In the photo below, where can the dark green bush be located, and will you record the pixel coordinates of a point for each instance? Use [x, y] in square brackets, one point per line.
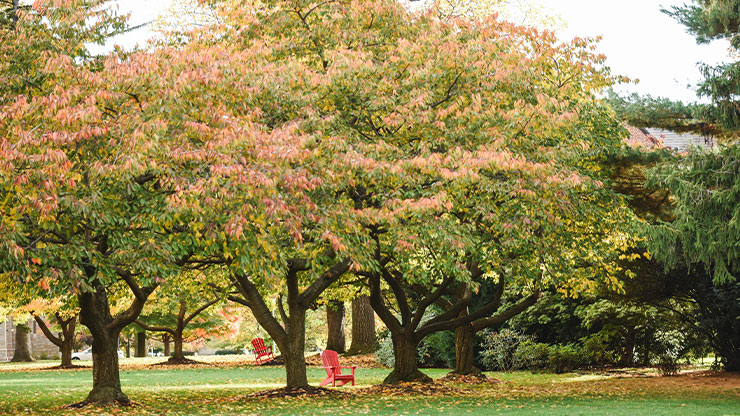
[565, 358]
[532, 355]
[437, 350]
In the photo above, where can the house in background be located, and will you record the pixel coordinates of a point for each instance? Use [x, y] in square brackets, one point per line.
[650, 138]
[681, 141]
[41, 347]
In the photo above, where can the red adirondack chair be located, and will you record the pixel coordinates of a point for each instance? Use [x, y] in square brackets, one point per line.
[334, 370]
[261, 351]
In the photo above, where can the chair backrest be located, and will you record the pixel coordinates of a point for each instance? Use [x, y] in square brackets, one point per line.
[258, 344]
[331, 359]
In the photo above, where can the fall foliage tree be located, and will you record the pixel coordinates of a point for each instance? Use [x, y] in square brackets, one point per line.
[182, 304]
[84, 204]
[293, 142]
[409, 115]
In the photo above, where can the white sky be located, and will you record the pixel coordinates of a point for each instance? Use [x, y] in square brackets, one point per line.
[639, 41]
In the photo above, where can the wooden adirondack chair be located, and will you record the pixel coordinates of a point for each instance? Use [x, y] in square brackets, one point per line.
[261, 351]
[334, 370]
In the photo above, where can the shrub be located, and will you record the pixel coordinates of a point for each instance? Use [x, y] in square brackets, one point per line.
[669, 350]
[565, 358]
[598, 350]
[499, 349]
[437, 350]
[384, 354]
[532, 355]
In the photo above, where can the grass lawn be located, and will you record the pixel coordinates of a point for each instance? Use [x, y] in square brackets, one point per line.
[220, 390]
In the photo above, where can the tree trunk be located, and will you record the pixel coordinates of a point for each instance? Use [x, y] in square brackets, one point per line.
[141, 344]
[66, 352]
[106, 380]
[177, 355]
[732, 362]
[335, 324]
[95, 315]
[68, 334]
[22, 352]
[295, 347]
[464, 340]
[628, 356]
[14, 13]
[166, 341]
[363, 327]
[65, 342]
[405, 368]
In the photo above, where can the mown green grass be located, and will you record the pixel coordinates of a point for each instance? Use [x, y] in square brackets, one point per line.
[221, 391]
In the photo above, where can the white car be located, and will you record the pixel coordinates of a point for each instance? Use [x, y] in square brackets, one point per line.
[87, 354]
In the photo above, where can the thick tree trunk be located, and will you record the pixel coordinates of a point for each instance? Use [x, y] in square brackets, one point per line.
[335, 324]
[177, 355]
[95, 315]
[106, 380]
[68, 333]
[166, 341]
[141, 344]
[22, 352]
[66, 352]
[732, 362]
[363, 327]
[294, 350]
[464, 340]
[405, 368]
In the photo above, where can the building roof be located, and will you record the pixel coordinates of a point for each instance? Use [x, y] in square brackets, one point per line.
[641, 138]
[680, 141]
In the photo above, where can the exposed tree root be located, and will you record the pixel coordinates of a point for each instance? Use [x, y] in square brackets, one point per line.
[86, 403]
[416, 377]
[66, 367]
[178, 361]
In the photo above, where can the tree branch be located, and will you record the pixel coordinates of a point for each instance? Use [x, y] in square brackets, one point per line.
[430, 299]
[378, 304]
[509, 313]
[201, 309]
[45, 329]
[260, 310]
[154, 328]
[331, 275]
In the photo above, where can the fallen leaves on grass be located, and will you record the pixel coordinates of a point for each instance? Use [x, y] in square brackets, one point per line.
[412, 389]
[467, 379]
[304, 392]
